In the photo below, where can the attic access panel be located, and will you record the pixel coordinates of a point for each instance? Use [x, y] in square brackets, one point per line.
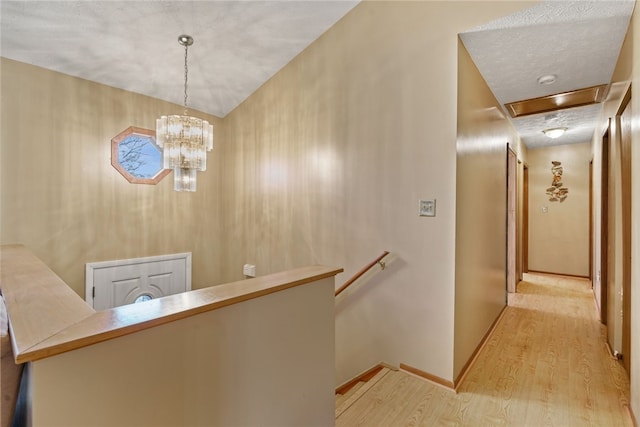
[558, 101]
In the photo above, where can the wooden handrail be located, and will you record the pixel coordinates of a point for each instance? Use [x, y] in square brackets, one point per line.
[361, 272]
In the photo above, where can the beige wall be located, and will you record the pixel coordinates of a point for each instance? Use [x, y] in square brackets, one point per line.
[481, 174]
[621, 81]
[62, 198]
[327, 161]
[614, 230]
[242, 365]
[559, 238]
[635, 224]
[627, 72]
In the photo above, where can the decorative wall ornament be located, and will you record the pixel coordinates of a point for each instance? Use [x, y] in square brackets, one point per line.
[557, 193]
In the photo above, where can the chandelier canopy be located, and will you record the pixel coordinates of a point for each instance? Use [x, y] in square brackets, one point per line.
[184, 140]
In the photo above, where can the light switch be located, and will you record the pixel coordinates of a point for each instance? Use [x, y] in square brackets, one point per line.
[545, 209]
[427, 207]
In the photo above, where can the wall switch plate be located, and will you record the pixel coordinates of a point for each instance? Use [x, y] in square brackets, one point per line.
[249, 270]
[427, 207]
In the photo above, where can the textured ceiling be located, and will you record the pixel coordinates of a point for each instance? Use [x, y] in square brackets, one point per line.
[579, 41]
[240, 44]
[133, 45]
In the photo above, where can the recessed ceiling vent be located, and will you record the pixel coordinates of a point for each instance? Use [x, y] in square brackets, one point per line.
[559, 101]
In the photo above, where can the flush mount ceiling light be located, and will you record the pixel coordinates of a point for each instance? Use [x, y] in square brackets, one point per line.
[184, 140]
[547, 79]
[554, 133]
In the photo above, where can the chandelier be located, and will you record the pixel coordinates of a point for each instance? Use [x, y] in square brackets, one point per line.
[184, 140]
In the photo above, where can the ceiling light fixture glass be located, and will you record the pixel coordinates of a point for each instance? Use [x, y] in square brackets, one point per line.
[554, 133]
[184, 140]
[547, 79]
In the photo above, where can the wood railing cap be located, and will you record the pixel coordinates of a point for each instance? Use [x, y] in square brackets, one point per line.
[82, 326]
[39, 304]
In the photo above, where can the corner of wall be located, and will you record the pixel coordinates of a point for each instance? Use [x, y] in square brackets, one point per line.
[480, 286]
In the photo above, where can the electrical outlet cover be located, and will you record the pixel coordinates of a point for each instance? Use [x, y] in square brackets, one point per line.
[249, 270]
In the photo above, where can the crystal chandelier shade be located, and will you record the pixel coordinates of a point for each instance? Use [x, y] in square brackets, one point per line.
[184, 140]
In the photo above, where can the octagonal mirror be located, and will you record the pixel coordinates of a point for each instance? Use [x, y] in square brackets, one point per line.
[136, 156]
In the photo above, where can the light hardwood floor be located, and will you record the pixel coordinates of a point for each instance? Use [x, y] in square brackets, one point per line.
[546, 364]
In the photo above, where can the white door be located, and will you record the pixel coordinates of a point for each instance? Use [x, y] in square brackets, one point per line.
[116, 283]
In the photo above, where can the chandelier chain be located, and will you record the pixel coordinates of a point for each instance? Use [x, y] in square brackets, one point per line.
[186, 71]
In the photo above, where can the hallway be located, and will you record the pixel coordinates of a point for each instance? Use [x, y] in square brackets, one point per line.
[545, 364]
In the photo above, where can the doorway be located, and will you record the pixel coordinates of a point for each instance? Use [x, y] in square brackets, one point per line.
[525, 219]
[591, 208]
[604, 226]
[615, 232]
[512, 197]
[624, 122]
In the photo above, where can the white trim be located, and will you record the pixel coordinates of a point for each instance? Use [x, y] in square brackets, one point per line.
[92, 266]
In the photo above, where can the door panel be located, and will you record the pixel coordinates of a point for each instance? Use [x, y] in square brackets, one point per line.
[116, 283]
[625, 156]
[525, 219]
[591, 207]
[156, 286]
[122, 285]
[512, 183]
[604, 232]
